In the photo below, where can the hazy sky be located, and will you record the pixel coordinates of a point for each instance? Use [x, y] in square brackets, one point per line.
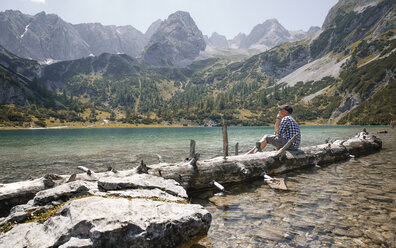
[227, 17]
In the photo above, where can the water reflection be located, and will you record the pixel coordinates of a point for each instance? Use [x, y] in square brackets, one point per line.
[349, 204]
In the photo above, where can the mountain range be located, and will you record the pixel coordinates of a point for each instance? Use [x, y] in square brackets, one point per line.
[341, 74]
[48, 38]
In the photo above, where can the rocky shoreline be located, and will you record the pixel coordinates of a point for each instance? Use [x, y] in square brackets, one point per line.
[115, 210]
[146, 206]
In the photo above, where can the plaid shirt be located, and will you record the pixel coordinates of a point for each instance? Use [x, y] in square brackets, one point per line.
[288, 128]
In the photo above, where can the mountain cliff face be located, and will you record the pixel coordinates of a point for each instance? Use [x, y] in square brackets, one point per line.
[347, 6]
[46, 37]
[19, 83]
[349, 26]
[235, 43]
[28, 68]
[177, 42]
[152, 29]
[40, 37]
[111, 39]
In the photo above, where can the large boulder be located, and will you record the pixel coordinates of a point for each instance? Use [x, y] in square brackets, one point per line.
[117, 210]
[113, 222]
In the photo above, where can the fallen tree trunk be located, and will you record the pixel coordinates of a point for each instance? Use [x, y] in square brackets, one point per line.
[198, 175]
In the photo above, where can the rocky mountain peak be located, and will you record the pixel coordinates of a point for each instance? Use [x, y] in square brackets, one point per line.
[218, 40]
[268, 34]
[182, 17]
[177, 42]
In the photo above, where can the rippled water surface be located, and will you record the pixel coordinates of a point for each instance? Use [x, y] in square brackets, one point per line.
[348, 204]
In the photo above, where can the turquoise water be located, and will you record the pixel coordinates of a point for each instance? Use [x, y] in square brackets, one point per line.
[346, 204]
[27, 154]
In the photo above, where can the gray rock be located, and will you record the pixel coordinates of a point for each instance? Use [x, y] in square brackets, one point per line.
[113, 223]
[177, 42]
[13, 194]
[237, 40]
[152, 29]
[111, 39]
[77, 243]
[143, 181]
[64, 192]
[146, 193]
[12, 94]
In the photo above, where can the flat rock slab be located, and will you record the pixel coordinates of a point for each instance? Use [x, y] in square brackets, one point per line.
[143, 181]
[102, 222]
[146, 193]
[64, 192]
[13, 194]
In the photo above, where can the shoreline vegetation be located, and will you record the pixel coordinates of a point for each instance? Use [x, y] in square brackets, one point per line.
[129, 125]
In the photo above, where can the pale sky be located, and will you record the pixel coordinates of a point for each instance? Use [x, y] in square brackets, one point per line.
[226, 17]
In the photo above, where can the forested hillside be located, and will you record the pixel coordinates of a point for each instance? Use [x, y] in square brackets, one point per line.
[361, 44]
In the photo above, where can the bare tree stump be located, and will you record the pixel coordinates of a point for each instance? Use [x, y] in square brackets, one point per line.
[225, 140]
[192, 149]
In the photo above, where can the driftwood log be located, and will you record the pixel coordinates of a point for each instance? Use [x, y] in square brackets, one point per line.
[196, 175]
[245, 167]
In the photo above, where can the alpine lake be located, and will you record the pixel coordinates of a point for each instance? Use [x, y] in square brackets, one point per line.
[346, 204]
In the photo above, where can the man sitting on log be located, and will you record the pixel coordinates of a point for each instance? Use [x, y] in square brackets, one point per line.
[285, 128]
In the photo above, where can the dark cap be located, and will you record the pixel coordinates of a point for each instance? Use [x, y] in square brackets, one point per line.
[286, 107]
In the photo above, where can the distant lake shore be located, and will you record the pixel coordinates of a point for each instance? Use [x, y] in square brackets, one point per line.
[128, 125]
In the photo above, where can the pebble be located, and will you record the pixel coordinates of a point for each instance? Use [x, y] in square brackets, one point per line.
[379, 198]
[389, 236]
[375, 236]
[392, 215]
